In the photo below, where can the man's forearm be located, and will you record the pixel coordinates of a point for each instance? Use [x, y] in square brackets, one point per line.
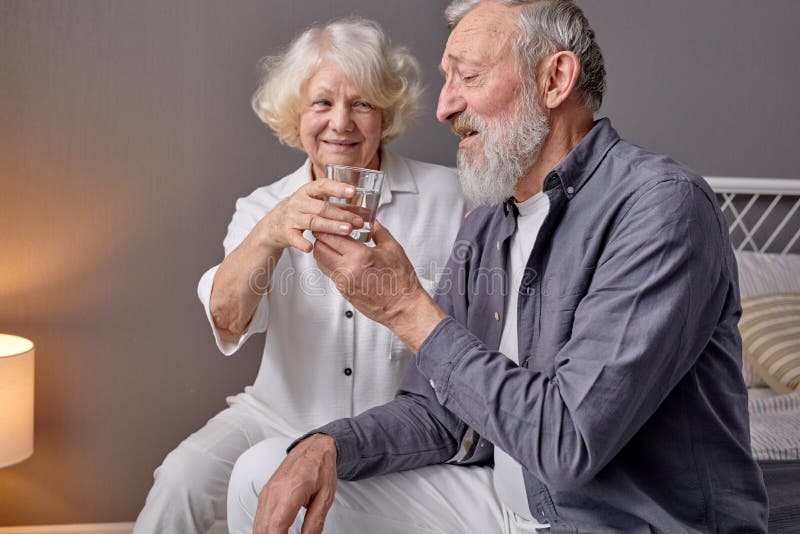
[416, 317]
[402, 434]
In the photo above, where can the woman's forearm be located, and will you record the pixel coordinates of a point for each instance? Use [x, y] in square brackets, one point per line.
[240, 282]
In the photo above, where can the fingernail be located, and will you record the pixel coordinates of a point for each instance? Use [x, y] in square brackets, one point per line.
[350, 190]
[344, 228]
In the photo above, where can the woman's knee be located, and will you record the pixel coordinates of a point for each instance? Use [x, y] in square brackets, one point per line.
[188, 471]
[257, 464]
[252, 470]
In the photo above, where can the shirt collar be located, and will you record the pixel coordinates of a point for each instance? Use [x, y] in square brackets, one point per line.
[297, 179]
[583, 160]
[398, 177]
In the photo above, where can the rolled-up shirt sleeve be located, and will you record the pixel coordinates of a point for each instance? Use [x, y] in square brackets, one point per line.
[249, 210]
[652, 304]
[258, 323]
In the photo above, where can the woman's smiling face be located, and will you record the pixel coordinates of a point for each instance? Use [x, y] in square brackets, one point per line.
[338, 125]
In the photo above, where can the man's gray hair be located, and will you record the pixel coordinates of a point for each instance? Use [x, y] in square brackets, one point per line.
[548, 26]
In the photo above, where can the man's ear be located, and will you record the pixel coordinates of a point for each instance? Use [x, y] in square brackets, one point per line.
[559, 74]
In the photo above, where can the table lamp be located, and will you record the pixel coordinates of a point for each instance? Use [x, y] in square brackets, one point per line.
[16, 399]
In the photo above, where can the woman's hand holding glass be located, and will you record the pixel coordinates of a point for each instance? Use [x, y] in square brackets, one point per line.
[305, 210]
[233, 297]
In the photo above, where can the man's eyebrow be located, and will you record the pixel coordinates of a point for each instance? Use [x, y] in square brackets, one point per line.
[452, 59]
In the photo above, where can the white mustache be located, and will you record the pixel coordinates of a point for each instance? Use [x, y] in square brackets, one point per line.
[467, 121]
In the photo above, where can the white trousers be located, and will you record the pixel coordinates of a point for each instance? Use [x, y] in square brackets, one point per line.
[190, 487]
[434, 499]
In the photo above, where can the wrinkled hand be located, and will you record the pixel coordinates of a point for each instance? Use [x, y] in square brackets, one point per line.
[373, 279]
[380, 282]
[306, 478]
[304, 210]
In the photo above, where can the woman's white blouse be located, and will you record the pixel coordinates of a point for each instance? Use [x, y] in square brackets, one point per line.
[322, 359]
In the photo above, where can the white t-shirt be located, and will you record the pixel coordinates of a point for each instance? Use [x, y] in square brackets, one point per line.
[322, 359]
[507, 472]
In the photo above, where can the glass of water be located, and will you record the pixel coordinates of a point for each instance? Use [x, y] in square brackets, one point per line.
[364, 203]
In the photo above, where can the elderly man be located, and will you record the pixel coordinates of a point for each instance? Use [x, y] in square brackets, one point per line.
[601, 376]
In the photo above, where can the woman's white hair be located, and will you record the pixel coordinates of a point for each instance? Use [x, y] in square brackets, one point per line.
[388, 78]
[548, 26]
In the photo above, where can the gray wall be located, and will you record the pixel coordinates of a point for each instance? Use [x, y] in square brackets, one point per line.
[126, 136]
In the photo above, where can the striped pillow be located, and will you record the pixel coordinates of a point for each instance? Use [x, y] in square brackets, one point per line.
[751, 378]
[765, 273]
[770, 328]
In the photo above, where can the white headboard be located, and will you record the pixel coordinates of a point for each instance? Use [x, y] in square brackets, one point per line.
[762, 213]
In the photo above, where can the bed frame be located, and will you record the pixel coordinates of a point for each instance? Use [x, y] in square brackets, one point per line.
[763, 215]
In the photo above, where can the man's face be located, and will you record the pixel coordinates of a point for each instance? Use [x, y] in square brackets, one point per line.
[488, 105]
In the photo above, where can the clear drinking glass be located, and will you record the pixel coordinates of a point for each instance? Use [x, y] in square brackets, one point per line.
[364, 203]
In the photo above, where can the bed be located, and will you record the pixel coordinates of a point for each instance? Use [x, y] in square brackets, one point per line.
[764, 221]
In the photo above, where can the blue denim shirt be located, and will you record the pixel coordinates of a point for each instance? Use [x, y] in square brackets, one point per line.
[628, 410]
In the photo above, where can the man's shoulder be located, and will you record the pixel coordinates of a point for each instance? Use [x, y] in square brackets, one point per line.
[638, 171]
[641, 166]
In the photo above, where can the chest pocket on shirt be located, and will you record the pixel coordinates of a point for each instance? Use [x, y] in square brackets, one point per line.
[570, 283]
[570, 272]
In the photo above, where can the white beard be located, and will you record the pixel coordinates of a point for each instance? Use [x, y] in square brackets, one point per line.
[510, 148]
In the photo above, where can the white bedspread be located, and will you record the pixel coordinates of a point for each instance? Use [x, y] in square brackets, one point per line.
[774, 424]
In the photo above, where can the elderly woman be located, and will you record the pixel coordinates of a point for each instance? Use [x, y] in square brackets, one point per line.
[340, 93]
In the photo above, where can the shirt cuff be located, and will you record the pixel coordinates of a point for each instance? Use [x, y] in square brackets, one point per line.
[347, 452]
[257, 325]
[441, 351]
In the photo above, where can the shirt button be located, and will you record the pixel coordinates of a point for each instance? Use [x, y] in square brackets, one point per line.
[348, 371]
[432, 383]
[498, 245]
[348, 314]
[496, 316]
[570, 190]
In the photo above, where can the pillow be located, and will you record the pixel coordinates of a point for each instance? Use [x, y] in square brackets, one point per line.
[768, 273]
[765, 273]
[751, 378]
[770, 328]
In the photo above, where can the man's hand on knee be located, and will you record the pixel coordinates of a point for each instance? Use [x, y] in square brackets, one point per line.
[306, 478]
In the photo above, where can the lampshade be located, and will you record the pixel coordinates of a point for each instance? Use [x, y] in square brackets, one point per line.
[16, 399]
